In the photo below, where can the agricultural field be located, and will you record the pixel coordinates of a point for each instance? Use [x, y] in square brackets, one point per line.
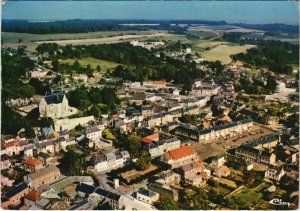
[31, 41]
[104, 64]
[223, 51]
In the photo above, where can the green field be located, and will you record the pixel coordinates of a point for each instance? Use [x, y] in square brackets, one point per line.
[104, 64]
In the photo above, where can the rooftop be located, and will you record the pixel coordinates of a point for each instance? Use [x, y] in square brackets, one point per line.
[16, 190]
[54, 98]
[33, 162]
[180, 153]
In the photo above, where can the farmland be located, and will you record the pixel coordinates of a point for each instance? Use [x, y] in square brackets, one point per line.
[223, 51]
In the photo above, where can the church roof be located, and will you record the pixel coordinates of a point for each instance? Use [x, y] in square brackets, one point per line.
[54, 98]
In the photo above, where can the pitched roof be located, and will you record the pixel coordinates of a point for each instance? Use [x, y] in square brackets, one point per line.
[54, 98]
[16, 190]
[33, 196]
[43, 172]
[149, 139]
[200, 165]
[33, 162]
[180, 153]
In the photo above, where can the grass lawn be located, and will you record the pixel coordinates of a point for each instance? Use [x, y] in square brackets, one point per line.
[104, 64]
[129, 175]
[250, 196]
[227, 182]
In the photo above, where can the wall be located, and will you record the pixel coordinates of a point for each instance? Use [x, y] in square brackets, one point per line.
[68, 124]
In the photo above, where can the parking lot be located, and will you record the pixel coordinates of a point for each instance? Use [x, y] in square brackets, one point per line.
[224, 143]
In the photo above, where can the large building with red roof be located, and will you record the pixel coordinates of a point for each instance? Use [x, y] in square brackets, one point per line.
[181, 156]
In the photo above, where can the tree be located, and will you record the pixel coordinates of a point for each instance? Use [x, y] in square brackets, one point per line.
[271, 83]
[144, 160]
[107, 134]
[55, 65]
[133, 143]
[167, 204]
[73, 163]
[98, 68]
[95, 111]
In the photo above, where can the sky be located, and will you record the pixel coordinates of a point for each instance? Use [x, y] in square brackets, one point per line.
[231, 11]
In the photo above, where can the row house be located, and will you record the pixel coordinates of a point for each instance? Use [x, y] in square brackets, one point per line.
[158, 148]
[111, 161]
[14, 196]
[180, 156]
[208, 135]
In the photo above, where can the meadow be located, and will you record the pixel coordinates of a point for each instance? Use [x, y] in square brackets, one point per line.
[104, 65]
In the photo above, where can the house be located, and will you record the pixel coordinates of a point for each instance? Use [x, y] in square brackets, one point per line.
[180, 156]
[218, 161]
[14, 196]
[197, 180]
[169, 177]
[42, 176]
[222, 171]
[93, 134]
[5, 161]
[55, 106]
[110, 161]
[147, 196]
[32, 197]
[158, 148]
[80, 77]
[187, 170]
[32, 164]
[274, 173]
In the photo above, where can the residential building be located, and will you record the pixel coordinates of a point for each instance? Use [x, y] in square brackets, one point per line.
[180, 156]
[211, 134]
[32, 164]
[169, 177]
[222, 171]
[14, 196]
[147, 196]
[5, 162]
[274, 173]
[42, 176]
[158, 148]
[110, 161]
[31, 198]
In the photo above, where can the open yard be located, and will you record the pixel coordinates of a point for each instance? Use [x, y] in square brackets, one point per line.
[223, 51]
[129, 175]
[104, 65]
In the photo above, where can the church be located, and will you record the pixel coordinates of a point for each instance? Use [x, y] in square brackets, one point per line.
[54, 106]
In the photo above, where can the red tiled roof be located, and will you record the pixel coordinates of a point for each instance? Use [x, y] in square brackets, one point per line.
[180, 153]
[149, 139]
[11, 144]
[33, 162]
[204, 176]
[33, 196]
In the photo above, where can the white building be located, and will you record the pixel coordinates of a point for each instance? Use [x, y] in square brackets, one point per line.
[110, 161]
[93, 134]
